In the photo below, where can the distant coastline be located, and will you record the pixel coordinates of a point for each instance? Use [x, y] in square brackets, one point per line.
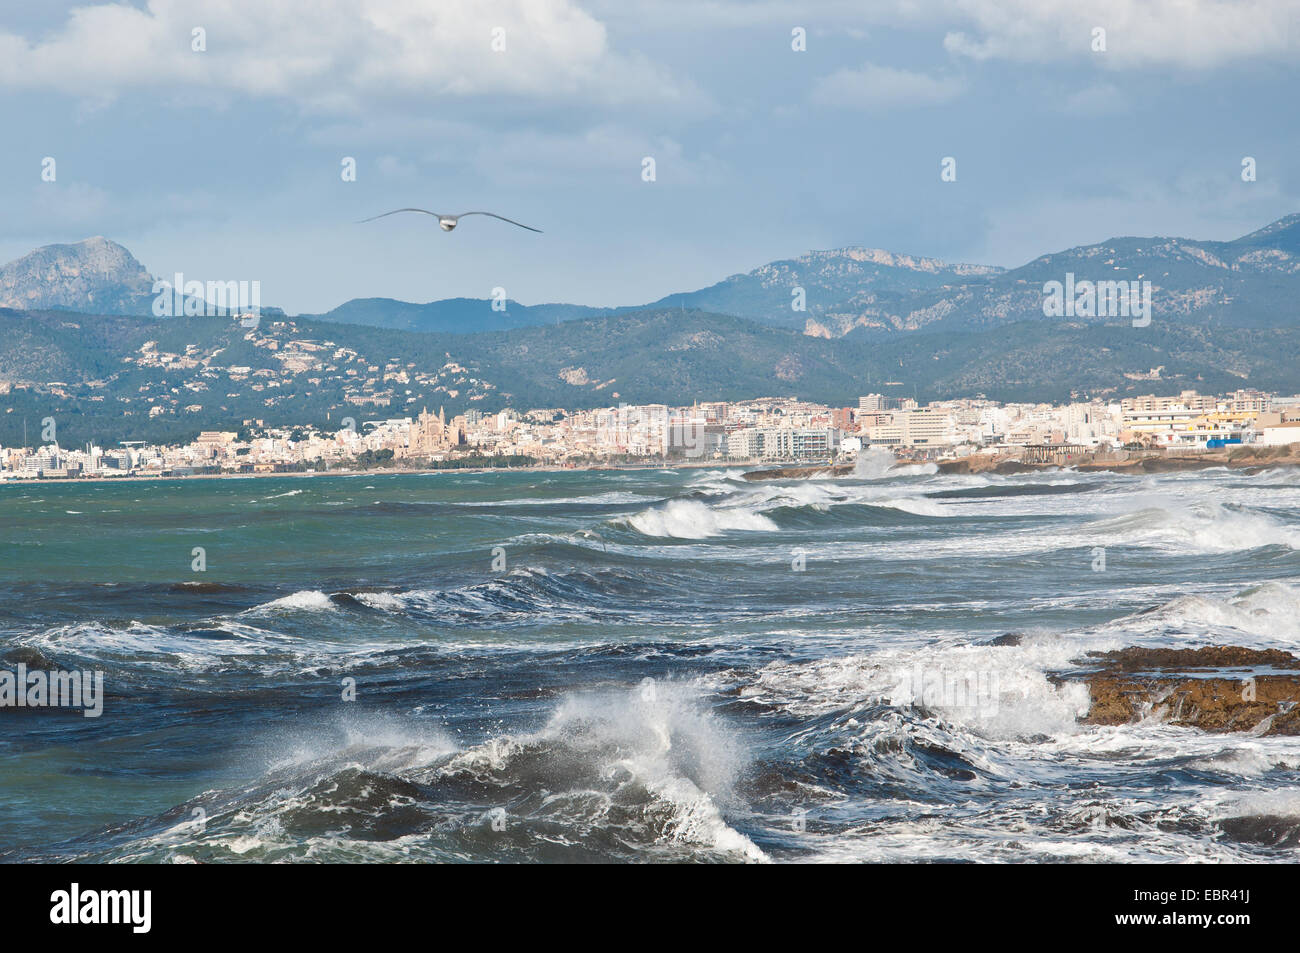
[1248, 459]
[382, 471]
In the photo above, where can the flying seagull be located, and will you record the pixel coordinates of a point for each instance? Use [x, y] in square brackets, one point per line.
[448, 222]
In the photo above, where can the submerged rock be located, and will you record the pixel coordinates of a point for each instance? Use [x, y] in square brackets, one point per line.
[1270, 830]
[1008, 638]
[801, 473]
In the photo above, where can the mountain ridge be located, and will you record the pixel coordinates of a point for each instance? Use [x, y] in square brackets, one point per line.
[824, 293]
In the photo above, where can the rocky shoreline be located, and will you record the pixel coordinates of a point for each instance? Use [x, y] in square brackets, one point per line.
[822, 472]
[1248, 459]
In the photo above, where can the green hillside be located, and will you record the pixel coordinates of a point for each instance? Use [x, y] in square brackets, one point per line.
[110, 378]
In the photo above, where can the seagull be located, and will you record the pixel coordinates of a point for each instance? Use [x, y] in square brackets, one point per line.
[448, 222]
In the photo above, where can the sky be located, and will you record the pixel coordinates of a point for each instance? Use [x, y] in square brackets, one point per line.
[226, 162]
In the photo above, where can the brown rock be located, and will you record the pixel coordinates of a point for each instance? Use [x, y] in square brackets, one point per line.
[801, 473]
[1137, 683]
[1211, 704]
[1213, 656]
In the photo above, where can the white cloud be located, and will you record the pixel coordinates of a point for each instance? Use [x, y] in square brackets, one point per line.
[1179, 33]
[338, 54]
[880, 87]
[1182, 33]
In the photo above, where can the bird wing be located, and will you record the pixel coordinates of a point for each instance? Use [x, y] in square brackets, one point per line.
[503, 218]
[396, 210]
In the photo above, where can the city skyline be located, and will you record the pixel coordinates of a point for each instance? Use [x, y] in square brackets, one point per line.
[755, 431]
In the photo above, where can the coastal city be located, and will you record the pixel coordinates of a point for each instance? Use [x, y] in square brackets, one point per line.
[748, 432]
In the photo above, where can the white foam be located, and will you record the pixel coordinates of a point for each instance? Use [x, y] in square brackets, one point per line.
[1201, 527]
[1260, 617]
[305, 600]
[691, 519]
[880, 464]
[873, 464]
[916, 505]
[1267, 803]
[608, 497]
[1249, 759]
[387, 601]
[280, 496]
[656, 735]
[1004, 691]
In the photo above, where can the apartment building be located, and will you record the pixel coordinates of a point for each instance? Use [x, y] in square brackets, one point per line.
[918, 427]
[783, 443]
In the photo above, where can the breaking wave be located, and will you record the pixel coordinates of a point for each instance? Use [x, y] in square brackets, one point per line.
[1264, 616]
[646, 773]
[691, 519]
[1198, 527]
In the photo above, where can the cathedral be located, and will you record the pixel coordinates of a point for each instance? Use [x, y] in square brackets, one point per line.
[430, 434]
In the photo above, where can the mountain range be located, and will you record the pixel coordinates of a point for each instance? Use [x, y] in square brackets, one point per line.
[1247, 282]
[1251, 281]
[79, 339]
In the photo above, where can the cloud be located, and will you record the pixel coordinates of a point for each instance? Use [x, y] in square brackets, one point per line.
[339, 54]
[882, 87]
[1139, 33]
[1179, 33]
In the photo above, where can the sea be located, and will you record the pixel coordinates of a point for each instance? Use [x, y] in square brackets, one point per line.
[637, 665]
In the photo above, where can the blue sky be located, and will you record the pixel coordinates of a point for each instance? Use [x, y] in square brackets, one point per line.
[225, 164]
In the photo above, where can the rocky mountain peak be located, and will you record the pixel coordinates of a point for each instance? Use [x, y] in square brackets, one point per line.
[96, 275]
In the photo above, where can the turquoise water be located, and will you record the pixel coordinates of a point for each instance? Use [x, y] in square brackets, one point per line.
[632, 665]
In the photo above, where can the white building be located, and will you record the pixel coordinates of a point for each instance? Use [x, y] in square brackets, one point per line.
[1279, 435]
